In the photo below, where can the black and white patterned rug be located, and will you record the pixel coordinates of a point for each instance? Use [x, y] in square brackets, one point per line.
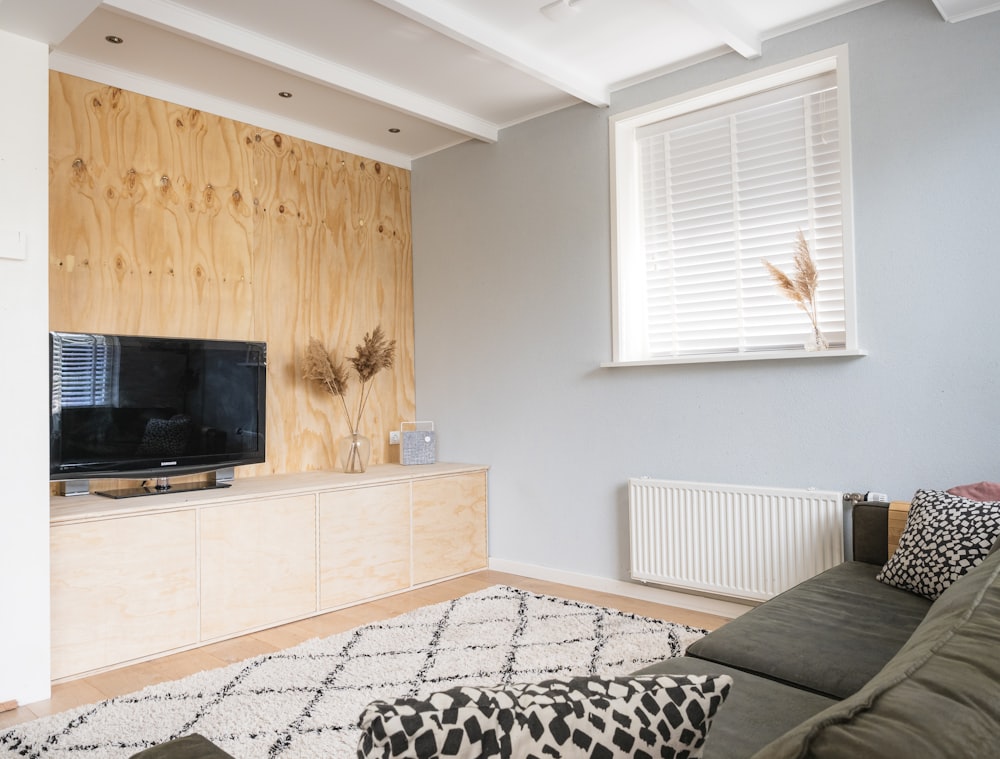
[305, 701]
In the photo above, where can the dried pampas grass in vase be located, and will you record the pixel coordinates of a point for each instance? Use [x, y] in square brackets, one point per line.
[801, 288]
[375, 353]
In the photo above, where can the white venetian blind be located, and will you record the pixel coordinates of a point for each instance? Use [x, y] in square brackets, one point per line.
[724, 187]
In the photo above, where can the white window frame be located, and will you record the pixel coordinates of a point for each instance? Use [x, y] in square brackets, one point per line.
[628, 269]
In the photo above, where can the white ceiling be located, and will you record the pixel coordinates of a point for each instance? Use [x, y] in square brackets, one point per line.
[439, 71]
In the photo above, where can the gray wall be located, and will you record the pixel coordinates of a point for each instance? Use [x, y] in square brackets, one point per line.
[513, 309]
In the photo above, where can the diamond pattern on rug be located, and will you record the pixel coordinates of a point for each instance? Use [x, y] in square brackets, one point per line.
[305, 701]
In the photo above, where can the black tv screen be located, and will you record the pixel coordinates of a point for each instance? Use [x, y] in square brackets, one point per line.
[141, 407]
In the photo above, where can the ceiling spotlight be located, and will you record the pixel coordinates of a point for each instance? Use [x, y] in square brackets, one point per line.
[114, 39]
[393, 130]
[560, 9]
[284, 94]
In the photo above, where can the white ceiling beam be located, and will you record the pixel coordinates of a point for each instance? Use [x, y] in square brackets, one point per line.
[954, 11]
[720, 17]
[249, 44]
[49, 22]
[449, 19]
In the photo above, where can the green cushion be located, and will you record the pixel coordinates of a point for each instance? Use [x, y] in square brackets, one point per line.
[756, 711]
[805, 635]
[192, 746]
[938, 697]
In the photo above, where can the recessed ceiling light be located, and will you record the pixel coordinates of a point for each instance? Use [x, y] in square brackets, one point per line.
[114, 39]
[393, 130]
[285, 94]
[560, 9]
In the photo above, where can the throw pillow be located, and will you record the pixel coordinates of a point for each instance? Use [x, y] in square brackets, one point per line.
[979, 491]
[945, 536]
[640, 716]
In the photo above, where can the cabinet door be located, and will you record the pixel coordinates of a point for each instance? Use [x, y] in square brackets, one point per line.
[258, 564]
[449, 526]
[364, 544]
[122, 589]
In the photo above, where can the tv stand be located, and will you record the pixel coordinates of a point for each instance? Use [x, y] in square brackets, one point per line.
[144, 577]
[161, 487]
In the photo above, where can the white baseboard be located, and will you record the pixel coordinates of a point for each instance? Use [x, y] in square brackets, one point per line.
[730, 609]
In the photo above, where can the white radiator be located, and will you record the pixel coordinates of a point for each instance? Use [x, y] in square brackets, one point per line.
[737, 542]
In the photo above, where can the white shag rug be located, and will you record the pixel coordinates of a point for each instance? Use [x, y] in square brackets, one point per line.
[304, 702]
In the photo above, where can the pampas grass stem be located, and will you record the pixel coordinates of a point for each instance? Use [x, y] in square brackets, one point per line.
[374, 354]
[802, 288]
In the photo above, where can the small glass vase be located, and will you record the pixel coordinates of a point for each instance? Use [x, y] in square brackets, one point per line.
[354, 452]
[818, 341]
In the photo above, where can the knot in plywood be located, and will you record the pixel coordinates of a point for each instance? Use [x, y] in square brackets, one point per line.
[209, 197]
[120, 267]
[130, 182]
[81, 174]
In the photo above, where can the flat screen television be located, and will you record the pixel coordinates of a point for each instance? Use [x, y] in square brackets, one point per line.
[135, 407]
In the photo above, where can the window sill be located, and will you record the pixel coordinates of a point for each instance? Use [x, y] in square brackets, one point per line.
[716, 358]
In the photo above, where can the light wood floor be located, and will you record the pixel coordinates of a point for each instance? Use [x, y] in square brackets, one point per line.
[123, 680]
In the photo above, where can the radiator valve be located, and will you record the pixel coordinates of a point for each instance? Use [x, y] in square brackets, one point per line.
[870, 497]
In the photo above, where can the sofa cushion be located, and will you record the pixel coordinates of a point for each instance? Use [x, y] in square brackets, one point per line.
[608, 717]
[193, 746]
[805, 635]
[945, 536]
[756, 711]
[938, 697]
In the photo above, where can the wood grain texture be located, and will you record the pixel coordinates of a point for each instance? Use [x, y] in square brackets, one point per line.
[898, 512]
[449, 526]
[169, 221]
[364, 543]
[332, 261]
[150, 231]
[258, 564]
[255, 549]
[122, 589]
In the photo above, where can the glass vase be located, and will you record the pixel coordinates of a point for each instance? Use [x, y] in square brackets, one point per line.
[818, 341]
[354, 452]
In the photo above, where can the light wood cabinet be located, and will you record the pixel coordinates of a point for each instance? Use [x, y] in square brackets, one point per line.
[258, 564]
[449, 526]
[142, 577]
[122, 589]
[364, 543]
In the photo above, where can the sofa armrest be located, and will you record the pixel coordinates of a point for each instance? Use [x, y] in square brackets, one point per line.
[870, 532]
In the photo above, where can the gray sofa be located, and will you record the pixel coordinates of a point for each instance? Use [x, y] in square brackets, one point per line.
[845, 666]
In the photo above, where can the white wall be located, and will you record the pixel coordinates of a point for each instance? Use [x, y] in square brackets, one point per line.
[512, 289]
[24, 501]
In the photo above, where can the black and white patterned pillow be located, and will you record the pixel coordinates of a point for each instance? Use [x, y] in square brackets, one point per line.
[642, 716]
[945, 536]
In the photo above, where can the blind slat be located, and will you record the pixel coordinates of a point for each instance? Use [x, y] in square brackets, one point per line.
[721, 193]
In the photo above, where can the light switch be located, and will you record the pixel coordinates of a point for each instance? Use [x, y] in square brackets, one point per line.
[13, 245]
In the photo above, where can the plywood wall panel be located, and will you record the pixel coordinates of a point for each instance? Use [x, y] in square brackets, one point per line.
[166, 220]
[149, 231]
[320, 209]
